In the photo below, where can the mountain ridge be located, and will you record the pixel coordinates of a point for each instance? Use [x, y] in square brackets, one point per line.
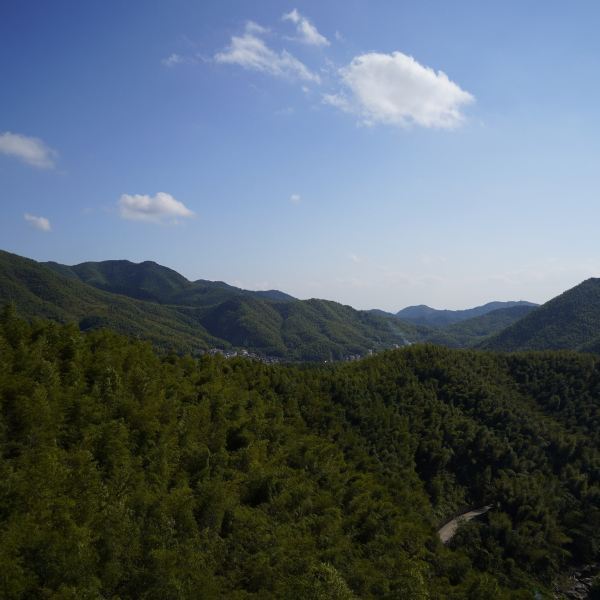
[284, 329]
[472, 332]
[422, 314]
[570, 321]
[155, 302]
[116, 275]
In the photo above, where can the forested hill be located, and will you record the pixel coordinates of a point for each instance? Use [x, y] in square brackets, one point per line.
[158, 304]
[151, 281]
[432, 317]
[475, 331]
[569, 321]
[129, 475]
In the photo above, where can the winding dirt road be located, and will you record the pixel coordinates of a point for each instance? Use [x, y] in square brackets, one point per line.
[447, 532]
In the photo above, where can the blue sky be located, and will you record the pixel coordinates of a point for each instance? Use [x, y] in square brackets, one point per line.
[379, 154]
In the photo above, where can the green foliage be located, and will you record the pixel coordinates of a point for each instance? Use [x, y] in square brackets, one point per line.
[150, 301]
[153, 282]
[39, 292]
[473, 331]
[432, 317]
[570, 321]
[127, 474]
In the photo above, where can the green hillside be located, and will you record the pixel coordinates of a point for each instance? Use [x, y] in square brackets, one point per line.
[151, 281]
[38, 291]
[569, 321]
[156, 303]
[433, 317]
[126, 474]
[473, 331]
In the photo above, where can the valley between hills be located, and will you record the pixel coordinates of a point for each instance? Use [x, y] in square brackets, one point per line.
[156, 303]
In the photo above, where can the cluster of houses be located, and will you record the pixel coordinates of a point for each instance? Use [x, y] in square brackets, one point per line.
[352, 357]
[244, 354]
[271, 360]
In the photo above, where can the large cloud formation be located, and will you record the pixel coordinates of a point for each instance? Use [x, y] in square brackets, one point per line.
[395, 89]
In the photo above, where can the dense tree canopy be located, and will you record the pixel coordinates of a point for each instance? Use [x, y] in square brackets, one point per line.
[127, 474]
[569, 321]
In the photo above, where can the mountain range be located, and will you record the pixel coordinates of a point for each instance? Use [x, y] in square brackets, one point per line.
[431, 317]
[150, 301]
[153, 302]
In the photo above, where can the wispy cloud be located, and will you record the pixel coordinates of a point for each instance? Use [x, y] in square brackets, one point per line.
[340, 101]
[30, 150]
[173, 60]
[295, 198]
[41, 223]
[307, 32]
[395, 89]
[251, 52]
[156, 209]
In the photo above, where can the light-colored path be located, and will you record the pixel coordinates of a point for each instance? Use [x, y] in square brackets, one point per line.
[447, 532]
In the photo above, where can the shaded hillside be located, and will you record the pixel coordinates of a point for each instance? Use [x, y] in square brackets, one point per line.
[472, 332]
[569, 321]
[432, 317]
[201, 315]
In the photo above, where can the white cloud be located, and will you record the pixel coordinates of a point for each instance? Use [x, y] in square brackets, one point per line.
[159, 208]
[395, 89]
[307, 32]
[252, 27]
[40, 223]
[295, 198]
[339, 101]
[251, 52]
[172, 60]
[31, 150]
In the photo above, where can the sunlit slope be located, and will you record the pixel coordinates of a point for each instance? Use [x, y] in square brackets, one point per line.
[156, 303]
[569, 321]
